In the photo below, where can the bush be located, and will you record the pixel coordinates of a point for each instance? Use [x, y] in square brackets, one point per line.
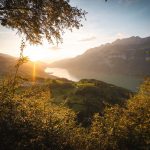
[30, 122]
[124, 128]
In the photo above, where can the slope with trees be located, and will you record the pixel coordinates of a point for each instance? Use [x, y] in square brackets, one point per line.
[87, 97]
[30, 120]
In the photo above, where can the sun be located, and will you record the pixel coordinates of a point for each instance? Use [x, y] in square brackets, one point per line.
[34, 57]
[34, 54]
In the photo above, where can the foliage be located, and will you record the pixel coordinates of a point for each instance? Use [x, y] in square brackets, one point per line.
[87, 96]
[124, 128]
[40, 18]
[11, 83]
[29, 120]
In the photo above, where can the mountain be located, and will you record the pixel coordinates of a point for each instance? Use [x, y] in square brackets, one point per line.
[129, 57]
[8, 62]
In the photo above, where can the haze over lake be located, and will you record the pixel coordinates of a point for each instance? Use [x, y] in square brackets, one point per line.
[62, 73]
[129, 82]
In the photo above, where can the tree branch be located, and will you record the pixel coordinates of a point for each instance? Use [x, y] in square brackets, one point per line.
[14, 8]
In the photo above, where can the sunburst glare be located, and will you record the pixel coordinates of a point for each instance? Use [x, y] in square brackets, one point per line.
[34, 53]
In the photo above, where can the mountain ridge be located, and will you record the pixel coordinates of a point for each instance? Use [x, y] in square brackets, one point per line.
[124, 57]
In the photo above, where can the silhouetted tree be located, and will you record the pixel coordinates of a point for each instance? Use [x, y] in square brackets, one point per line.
[38, 19]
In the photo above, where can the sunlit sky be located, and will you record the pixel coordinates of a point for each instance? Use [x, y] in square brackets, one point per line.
[106, 22]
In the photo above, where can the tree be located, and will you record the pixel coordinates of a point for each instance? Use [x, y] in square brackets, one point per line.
[124, 127]
[38, 19]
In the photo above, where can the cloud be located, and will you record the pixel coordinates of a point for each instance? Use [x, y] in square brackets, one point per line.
[54, 48]
[88, 39]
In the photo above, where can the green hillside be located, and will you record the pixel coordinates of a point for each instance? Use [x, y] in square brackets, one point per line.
[88, 96]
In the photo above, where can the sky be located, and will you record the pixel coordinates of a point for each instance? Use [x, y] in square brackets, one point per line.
[105, 22]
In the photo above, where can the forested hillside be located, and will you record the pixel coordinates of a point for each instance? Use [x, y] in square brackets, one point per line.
[87, 97]
[30, 119]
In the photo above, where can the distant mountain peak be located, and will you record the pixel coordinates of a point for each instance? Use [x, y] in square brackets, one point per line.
[133, 40]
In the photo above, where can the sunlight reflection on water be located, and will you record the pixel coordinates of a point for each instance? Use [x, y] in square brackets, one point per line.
[62, 73]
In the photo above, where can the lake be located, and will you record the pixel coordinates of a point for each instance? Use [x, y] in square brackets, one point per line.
[62, 73]
[129, 82]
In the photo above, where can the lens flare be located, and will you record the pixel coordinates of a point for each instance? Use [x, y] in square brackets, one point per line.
[34, 72]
